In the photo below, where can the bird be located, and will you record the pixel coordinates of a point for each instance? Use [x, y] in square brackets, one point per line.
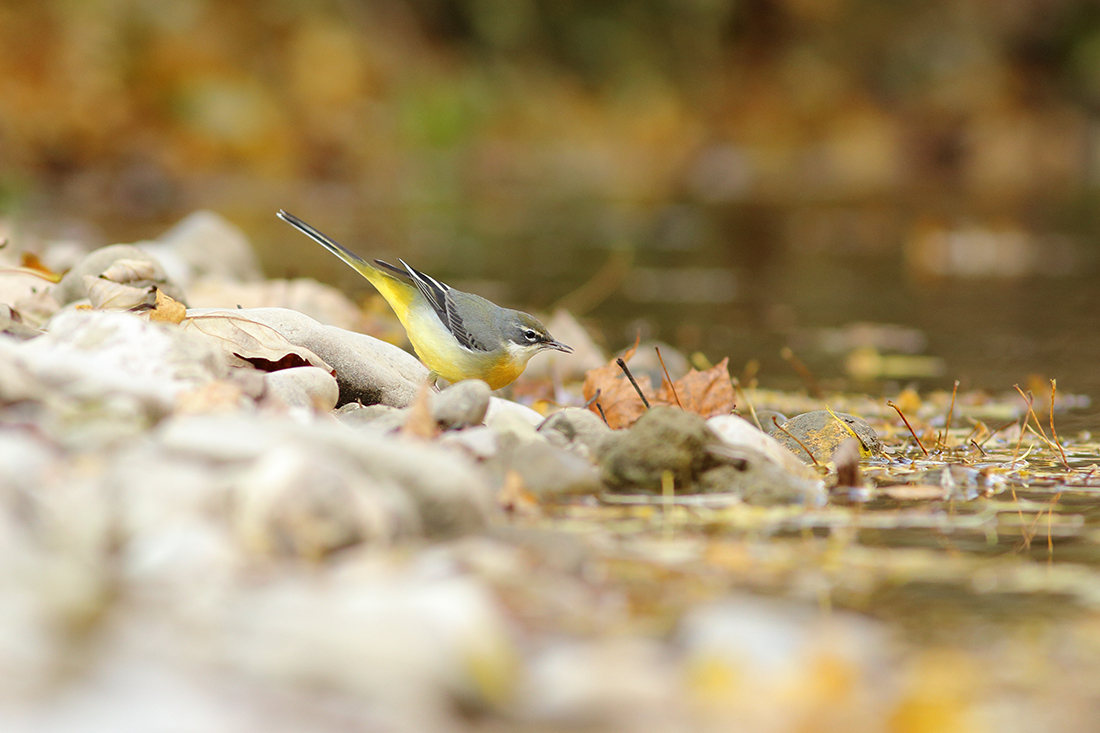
[456, 335]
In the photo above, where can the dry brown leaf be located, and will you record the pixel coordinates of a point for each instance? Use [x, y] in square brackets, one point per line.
[707, 393]
[167, 309]
[249, 342]
[620, 402]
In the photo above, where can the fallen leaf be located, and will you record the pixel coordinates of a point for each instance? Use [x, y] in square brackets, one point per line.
[167, 309]
[249, 342]
[617, 397]
[707, 393]
[110, 295]
[128, 271]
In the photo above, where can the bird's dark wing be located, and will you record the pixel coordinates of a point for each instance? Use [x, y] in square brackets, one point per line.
[441, 298]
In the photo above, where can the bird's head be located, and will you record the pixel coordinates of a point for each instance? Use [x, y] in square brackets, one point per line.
[525, 336]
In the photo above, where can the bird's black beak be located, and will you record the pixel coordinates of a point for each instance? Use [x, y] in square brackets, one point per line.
[557, 346]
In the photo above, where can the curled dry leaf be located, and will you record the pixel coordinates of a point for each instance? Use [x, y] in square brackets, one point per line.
[167, 309]
[707, 393]
[249, 342]
[110, 295]
[128, 271]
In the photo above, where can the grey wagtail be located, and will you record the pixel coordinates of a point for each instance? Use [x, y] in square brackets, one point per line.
[457, 335]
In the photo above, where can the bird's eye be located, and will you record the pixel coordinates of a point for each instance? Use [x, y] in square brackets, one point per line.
[531, 335]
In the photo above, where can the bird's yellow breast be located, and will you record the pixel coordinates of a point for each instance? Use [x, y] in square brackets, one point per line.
[436, 345]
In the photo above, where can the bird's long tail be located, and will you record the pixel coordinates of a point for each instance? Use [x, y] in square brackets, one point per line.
[360, 265]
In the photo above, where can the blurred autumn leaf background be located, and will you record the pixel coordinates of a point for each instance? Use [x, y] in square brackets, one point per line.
[743, 173]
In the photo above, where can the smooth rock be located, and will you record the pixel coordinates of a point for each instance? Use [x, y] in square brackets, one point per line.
[320, 302]
[577, 428]
[376, 418]
[758, 479]
[822, 432]
[735, 430]
[663, 439]
[402, 488]
[103, 374]
[11, 324]
[206, 244]
[549, 471]
[73, 286]
[461, 405]
[368, 370]
[505, 416]
[306, 386]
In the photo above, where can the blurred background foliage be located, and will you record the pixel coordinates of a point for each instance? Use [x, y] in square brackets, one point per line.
[754, 167]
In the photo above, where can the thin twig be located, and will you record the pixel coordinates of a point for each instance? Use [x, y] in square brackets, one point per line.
[626, 371]
[1053, 432]
[987, 438]
[800, 443]
[600, 408]
[669, 378]
[1030, 400]
[911, 431]
[752, 410]
[1050, 521]
[950, 415]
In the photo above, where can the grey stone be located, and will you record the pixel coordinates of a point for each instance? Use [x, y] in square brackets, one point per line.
[376, 418]
[577, 428]
[664, 439]
[368, 370]
[12, 324]
[306, 386]
[72, 286]
[757, 479]
[206, 244]
[461, 405]
[549, 471]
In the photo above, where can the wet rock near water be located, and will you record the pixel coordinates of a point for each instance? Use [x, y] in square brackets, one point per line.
[822, 432]
[671, 445]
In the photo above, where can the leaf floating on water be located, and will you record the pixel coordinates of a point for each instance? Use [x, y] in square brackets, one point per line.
[249, 342]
